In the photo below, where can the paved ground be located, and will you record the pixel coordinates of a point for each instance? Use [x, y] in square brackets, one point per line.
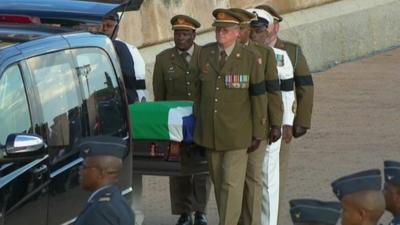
[355, 126]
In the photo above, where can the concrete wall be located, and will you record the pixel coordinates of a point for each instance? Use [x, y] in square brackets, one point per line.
[151, 24]
[329, 34]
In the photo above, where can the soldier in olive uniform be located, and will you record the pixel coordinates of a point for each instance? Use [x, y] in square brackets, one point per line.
[391, 190]
[314, 212]
[252, 196]
[98, 174]
[232, 110]
[175, 78]
[304, 89]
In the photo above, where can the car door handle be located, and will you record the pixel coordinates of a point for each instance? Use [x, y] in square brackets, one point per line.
[40, 170]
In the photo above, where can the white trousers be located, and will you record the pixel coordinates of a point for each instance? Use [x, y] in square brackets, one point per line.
[270, 193]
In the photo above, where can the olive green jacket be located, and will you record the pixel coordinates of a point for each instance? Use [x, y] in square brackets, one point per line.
[174, 78]
[230, 110]
[274, 96]
[304, 85]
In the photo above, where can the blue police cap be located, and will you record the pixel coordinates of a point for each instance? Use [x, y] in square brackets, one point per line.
[362, 181]
[392, 172]
[102, 146]
[314, 211]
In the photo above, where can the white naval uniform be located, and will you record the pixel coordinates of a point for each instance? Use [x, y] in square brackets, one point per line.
[270, 171]
[140, 70]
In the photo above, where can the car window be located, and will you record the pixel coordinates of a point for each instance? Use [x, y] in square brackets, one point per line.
[57, 86]
[101, 92]
[14, 110]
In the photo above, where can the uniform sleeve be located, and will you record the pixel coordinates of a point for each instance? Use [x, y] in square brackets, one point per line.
[258, 99]
[304, 91]
[158, 81]
[275, 105]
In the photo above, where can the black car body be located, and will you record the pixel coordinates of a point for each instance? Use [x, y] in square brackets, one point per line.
[58, 86]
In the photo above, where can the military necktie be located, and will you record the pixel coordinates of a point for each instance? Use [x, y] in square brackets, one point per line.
[186, 56]
[222, 59]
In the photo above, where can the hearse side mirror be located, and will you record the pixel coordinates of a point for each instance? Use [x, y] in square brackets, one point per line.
[21, 145]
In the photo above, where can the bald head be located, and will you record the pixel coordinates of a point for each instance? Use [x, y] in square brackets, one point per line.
[366, 207]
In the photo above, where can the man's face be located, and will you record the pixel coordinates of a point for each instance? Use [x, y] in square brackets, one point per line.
[89, 174]
[259, 34]
[392, 197]
[108, 27]
[265, 35]
[350, 215]
[244, 34]
[184, 39]
[226, 36]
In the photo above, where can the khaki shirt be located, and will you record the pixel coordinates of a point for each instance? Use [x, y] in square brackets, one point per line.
[232, 106]
[174, 78]
[274, 97]
[304, 85]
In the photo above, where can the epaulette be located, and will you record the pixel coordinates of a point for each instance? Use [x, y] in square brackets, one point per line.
[291, 44]
[166, 51]
[105, 198]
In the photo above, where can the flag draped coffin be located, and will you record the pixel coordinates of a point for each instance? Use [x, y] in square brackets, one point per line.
[162, 120]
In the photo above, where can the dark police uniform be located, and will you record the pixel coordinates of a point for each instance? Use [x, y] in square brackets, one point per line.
[311, 211]
[106, 207]
[175, 77]
[232, 109]
[392, 176]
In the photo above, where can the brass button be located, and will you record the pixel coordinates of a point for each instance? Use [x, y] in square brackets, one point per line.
[187, 72]
[189, 94]
[219, 77]
[188, 83]
[217, 88]
[215, 111]
[216, 100]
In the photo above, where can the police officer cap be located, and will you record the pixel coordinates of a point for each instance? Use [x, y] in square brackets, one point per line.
[247, 16]
[314, 211]
[392, 172]
[226, 18]
[369, 180]
[102, 146]
[183, 22]
[263, 18]
[271, 11]
[113, 17]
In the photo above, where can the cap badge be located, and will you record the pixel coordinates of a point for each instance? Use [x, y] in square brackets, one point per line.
[181, 21]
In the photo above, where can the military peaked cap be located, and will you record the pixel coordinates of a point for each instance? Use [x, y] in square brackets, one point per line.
[271, 11]
[369, 180]
[263, 18]
[314, 211]
[226, 18]
[102, 146]
[392, 172]
[183, 22]
[246, 15]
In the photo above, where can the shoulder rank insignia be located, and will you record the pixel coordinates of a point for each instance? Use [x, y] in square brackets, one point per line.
[104, 199]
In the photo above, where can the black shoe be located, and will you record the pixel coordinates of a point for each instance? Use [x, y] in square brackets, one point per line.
[200, 218]
[185, 219]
